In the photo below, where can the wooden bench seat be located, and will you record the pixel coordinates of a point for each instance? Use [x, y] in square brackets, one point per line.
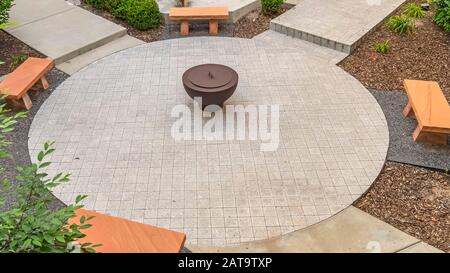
[17, 83]
[119, 235]
[184, 15]
[427, 103]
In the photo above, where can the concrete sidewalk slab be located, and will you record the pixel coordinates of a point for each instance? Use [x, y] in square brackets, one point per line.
[421, 247]
[66, 35]
[77, 63]
[351, 230]
[23, 12]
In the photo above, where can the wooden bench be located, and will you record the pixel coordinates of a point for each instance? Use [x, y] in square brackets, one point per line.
[184, 15]
[430, 107]
[119, 235]
[17, 83]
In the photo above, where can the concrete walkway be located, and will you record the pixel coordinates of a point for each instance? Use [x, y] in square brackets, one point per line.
[339, 25]
[351, 230]
[63, 31]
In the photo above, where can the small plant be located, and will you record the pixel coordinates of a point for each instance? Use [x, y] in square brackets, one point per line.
[442, 17]
[29, 225]
[5, 6]
[17, 59]
[383, 47]
[270, 7]
[140, 14]
[415, 11]
[401, 24]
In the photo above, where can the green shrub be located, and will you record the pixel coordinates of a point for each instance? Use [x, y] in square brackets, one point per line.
[415, 11]
[98, 4]
[383, 47]
[401, 24]
[30, 225]
[271, 6]
[140, 14]
[442, 17]
[5, 6]
[111, 5]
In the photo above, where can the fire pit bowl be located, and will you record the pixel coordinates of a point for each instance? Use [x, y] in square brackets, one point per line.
[214, 83]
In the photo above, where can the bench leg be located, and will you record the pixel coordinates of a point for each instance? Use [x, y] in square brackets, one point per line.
[434, 138]
[213, 27]
[44, 82]
[184, 28]
[408, 111]
[27, 101]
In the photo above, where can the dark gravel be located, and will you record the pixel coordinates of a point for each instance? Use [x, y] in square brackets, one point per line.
[19, 136]
[402, 148]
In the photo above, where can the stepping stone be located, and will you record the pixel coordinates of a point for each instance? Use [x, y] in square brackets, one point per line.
[77, 63]
[339, 25]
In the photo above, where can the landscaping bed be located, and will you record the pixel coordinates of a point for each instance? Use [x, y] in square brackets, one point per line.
[414, 200]
[147, 36]
[423, 55]
[12, 51]
[255, 23]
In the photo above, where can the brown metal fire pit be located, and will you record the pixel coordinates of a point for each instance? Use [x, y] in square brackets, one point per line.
[214, 83]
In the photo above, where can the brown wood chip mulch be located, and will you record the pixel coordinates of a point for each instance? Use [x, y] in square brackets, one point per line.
[423, 55]
[10, 47]
[254, 23]
[414, 200]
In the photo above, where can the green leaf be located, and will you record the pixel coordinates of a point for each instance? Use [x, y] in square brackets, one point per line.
[60, 239]
[40, 156]
[37, 243]
[82, 219]
[26, 244]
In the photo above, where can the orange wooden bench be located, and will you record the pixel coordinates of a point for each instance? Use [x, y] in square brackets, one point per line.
[428, 104]
[213, 14]
[119, 235]
[17, 83]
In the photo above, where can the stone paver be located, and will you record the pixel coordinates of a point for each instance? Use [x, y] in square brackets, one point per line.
[77, 63]
[339, 25]
[111, 122]
[310, 50]
[59, 30]
[352, 230]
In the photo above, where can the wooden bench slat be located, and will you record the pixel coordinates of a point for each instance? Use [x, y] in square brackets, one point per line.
[198, 13]
[18, 82]
[429, 104]
[119, 235]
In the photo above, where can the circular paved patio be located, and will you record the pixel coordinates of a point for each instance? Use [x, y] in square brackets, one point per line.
[112, 121]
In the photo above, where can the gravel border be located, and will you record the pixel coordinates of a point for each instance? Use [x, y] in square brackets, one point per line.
[19, 136]
[402, 148]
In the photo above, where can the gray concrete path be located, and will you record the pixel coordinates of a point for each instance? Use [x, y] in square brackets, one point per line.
[61, 30]
[339, 25]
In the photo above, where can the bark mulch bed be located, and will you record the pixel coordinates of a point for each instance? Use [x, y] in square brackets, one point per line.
[147, 36]
[422, 55]
[255, 23]
[11, 47]
[414, 200]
